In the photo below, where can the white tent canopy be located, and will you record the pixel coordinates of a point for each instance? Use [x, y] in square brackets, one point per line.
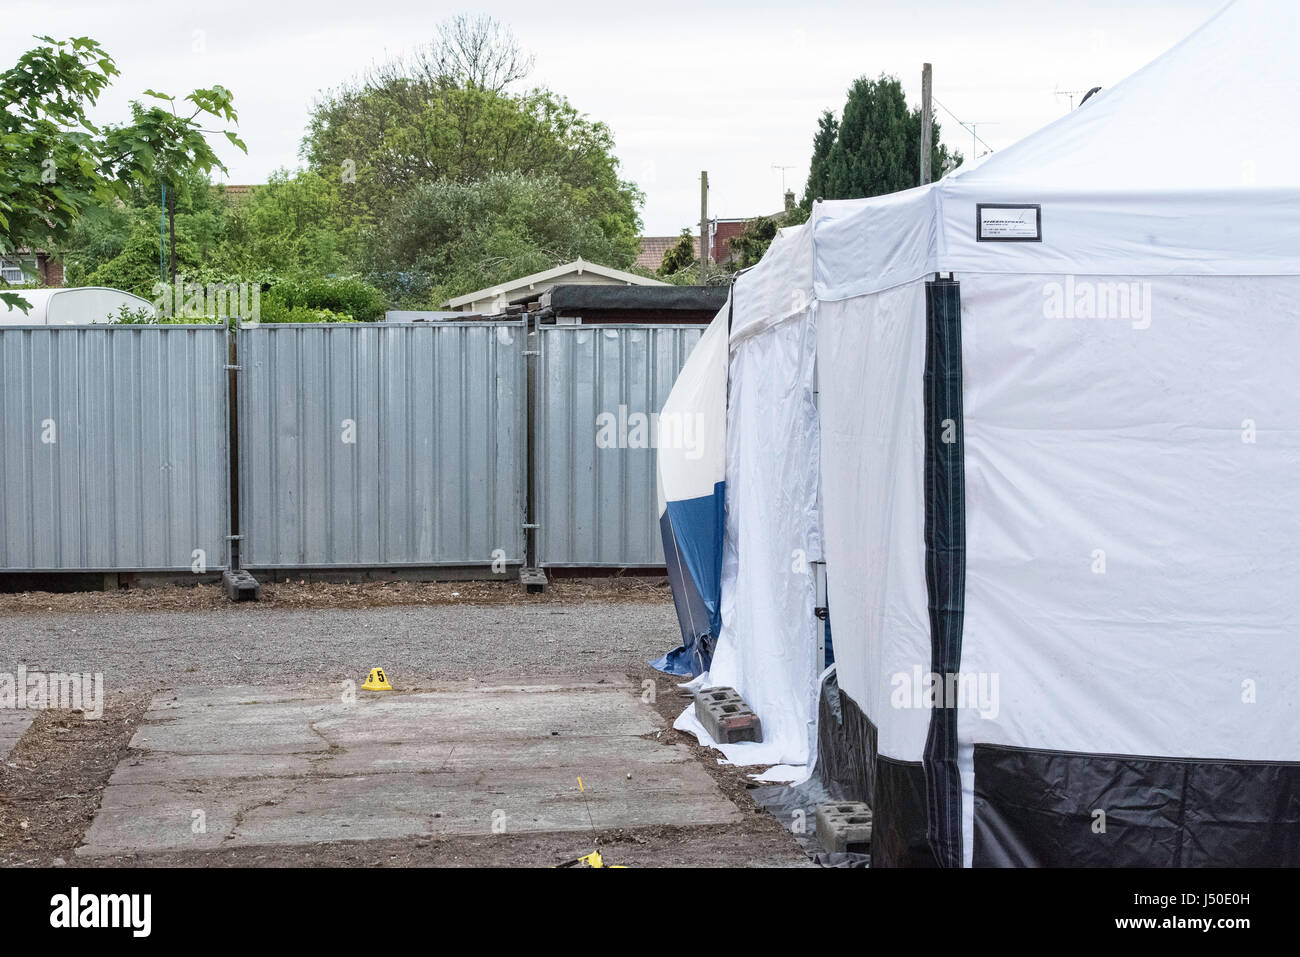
[1066, 478]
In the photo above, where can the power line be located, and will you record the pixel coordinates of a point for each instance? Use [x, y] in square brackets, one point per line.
[969, 127]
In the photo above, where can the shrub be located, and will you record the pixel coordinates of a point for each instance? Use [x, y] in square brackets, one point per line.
[144, 316]
[345, 298]
[275, 311]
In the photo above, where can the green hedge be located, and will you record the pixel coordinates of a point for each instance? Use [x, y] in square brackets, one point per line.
[323, 300]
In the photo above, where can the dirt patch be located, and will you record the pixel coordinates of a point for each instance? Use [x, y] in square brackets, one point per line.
[735, 782]
[324, 595]
[51, 785]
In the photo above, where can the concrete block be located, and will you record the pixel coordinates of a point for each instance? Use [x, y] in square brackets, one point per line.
[726, 716]
[534, 580]
[844, 827]
[241, 586]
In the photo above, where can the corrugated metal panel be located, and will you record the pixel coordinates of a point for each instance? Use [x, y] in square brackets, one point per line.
[433, 474]
[135, 478]
[599, 505]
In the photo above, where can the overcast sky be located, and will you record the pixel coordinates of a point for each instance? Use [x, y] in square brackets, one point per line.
[734, 88]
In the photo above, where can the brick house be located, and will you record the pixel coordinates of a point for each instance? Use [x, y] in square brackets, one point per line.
[48, 270]
[721, 233]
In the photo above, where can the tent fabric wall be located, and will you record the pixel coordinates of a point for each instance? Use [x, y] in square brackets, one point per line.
[692, 495]
[767, 645]
[870, 367]
[1130, 505]
[1132, 544]
[767, 648]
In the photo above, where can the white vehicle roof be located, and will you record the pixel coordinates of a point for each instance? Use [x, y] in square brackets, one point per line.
[70, 306]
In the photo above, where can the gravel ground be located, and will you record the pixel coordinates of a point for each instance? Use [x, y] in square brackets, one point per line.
[316, 595]
[142, 640]
[253, 644]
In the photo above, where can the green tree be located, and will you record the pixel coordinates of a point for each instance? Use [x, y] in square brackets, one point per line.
[203, 218]
[293, 225]
[98, 235]
[749, 246]
[828, 129]
[171, 147]
[446, 237]
[874, 148]
[679, 256]
[450, 115]
[53, 160]
[135, 268]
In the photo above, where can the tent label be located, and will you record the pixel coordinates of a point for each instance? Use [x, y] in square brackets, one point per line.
[1008, 223]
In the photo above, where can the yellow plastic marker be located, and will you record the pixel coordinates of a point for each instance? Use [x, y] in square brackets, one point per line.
[377, 681]
[593, 859]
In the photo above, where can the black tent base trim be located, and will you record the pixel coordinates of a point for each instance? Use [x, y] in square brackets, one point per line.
[1042, 808]
[850, 768]
[1037, 808]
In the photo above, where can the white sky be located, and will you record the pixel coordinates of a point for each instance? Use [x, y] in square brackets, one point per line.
[733, 88]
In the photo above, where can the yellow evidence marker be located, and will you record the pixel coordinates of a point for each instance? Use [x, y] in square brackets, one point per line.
[377, 681]
[593, 859]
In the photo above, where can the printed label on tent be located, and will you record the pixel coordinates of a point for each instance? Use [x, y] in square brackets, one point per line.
[1008, 223]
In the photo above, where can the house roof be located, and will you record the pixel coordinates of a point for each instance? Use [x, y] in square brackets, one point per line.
[653, 248]
[723, 230]
[549, 277]
[235, 192]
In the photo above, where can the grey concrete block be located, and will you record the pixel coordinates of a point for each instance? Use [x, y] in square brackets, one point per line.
[241, 586]
[726, 716]
[844, 827]
[534, 580]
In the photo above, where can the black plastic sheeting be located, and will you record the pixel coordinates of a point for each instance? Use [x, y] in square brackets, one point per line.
[839, 776]
[945, 555]
[899, 836]
[785, 802]
[1038, 808]
[846, 745]
[848, 769]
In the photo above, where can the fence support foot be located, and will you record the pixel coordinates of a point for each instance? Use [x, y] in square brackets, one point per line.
[534, 580]
[241, 586]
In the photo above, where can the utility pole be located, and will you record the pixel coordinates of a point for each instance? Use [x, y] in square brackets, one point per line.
[927, 121]
[704, 226]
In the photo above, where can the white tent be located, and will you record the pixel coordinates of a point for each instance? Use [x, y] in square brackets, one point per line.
[1038, 420]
